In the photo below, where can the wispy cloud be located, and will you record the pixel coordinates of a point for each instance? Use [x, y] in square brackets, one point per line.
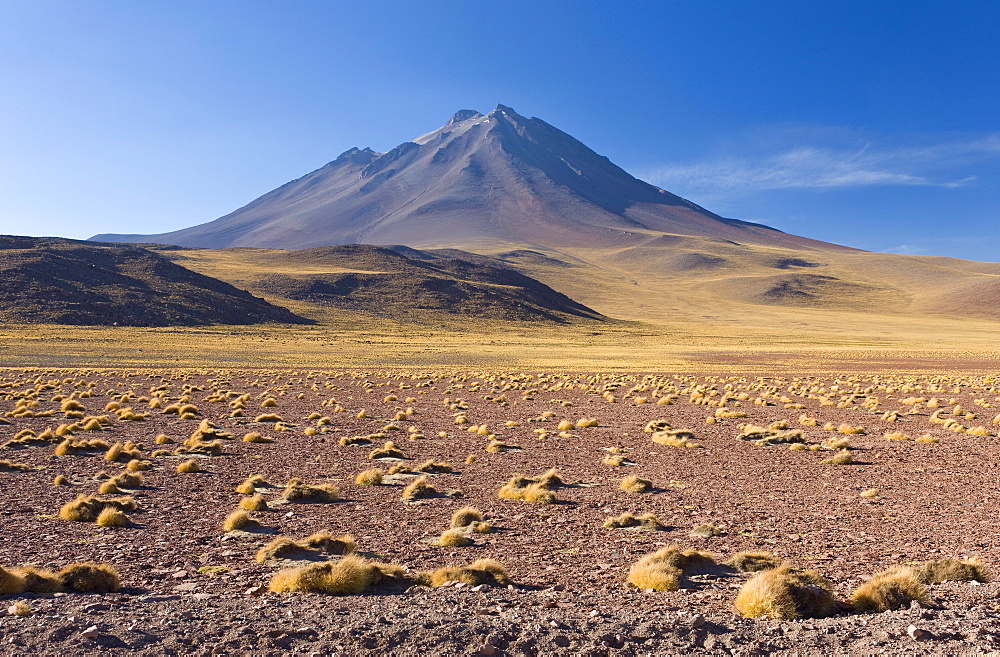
[944, 164]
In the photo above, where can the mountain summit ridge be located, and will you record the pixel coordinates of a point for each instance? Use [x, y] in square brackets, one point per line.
[486, 182]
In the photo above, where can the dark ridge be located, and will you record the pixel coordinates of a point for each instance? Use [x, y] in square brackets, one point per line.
[46, 280]
[394, 281]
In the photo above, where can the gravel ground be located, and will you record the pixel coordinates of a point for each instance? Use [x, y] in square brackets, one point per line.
[190, 587]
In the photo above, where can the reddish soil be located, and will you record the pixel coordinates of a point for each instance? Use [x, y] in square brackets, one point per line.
[570, 595]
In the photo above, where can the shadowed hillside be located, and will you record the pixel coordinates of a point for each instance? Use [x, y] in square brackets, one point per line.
[392, 282]
[59, 281]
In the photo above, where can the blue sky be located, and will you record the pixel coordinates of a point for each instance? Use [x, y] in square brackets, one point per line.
[872, 124]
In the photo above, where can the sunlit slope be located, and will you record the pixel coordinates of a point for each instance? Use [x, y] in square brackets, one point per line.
[705, 292]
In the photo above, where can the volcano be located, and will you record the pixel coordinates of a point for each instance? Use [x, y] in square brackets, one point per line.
[480, 182]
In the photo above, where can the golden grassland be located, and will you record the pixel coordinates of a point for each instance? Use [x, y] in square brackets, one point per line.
[680, 303]
[950, 345]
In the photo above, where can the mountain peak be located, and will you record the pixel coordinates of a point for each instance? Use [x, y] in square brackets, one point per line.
[464, 115]
[508, 180]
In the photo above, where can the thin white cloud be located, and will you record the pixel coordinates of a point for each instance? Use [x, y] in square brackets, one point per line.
[943, 164]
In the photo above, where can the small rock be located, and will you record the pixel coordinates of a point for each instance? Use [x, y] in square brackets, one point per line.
[187, 588]
[95, 606]
[558, 587]
[561, 640]
[487, 651]
[90, 633]
[918, 634]
[306, 631]
[180, 574]
[204, 596]
[697, 621]
[255, 591]
[479, 587]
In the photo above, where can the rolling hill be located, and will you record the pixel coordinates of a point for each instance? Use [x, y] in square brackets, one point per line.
[60, 281]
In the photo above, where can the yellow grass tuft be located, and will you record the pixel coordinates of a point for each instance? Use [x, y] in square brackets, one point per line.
[662, 570]
[418, 489]
[370, 477]
[352, 575]
[752, 562]
[634, 484]
[843, 457]
[254, 503]
[481, 571]
[646, 521]
[239, 520]
[893, 589]
[466, 516]
[781, 593]
[954, 570]
[298, 491]
[453, 537]
[320, 543]
[111, 517]
[249, 486]
[191, 465]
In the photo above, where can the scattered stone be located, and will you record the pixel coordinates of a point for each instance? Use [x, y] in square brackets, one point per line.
[90, 633]
[918, 634]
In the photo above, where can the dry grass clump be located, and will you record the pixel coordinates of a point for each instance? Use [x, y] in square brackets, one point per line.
[842, 457]
[850, 429]
[9, 466]
[646, 521]
[138, 465]
[662, 570]
[836, 443]
[254, 503]
[240, 520]
[953, 570]
[268, 417]
[111, 517]
[869, 493]
[634, 484]
[453, 537]
[89, 577]
[310, 547]
[893, 589]
[60, 480]
[123, 452]
[86, 508]
[352, 575]
[675, 438]
[418, 489]
[191, 465]
[370, 477]
[84, 577]
[654, 426]
[896, 435]
[706, 530]
[927, 438]
[434, 467]
[466, 516]
[256, 437]
[481, 571]
[776, 434]
[250, 485]
[784, 594]
[531, 489]
[386, 451]
[752, 562]
[347, 441]
[299, 491]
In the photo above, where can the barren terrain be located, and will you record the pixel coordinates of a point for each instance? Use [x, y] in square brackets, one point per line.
[190, 586]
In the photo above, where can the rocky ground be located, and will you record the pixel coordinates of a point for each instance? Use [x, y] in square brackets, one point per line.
[191, 587]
